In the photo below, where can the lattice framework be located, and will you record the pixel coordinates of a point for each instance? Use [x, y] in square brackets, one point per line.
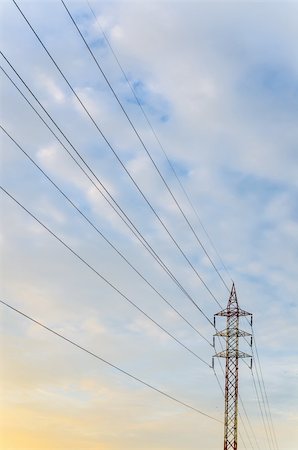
[232, 355]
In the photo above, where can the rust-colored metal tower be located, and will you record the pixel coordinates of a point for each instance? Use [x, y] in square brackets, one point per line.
[232, 355]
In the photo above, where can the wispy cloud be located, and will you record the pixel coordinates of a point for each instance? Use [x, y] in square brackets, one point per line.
[219, 84]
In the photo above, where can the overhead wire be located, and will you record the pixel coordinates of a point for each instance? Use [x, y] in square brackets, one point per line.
[184, 190]
[266, 409]
[265, 391]
[114, 366]
[269, 429]
[246, 431]
[261, 410]
[143, 144]
[249, 424]
[123, 216]
[117, 156]
[109, 283]
[27, 211]
[102, 235]
[107, 196]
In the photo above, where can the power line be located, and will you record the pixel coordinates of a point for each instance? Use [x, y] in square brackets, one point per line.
[261, 410]
[125, 297]
[102, 235]
[249, 423]
[265, 392]
[211, 294]
[267, 425]
[123, 216]
[187, 195]
[246, 432]
[117, 157]
[143, 144]
[108, 362]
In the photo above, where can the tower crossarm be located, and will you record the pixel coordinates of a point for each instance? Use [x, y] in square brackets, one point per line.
[232, 354]
[230, 312]
[239, 333]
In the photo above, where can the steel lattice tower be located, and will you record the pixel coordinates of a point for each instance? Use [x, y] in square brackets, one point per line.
[232, 355]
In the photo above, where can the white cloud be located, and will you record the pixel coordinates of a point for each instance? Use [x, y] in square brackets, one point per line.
[54, 91]
[230, 130]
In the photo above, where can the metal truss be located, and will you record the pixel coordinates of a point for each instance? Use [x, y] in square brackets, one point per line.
[232, 354]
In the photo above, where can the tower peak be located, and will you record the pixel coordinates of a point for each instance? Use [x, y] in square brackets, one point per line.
[233, 301]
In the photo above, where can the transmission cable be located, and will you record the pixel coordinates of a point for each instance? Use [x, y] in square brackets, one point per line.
[249, 423]
[109, 283]
[103, 236]
[123, 109]
[150, 386]
[142, 143]
[266, 413]
[128, 223]
[264, 389]
[186, 194]
[118, 158]
[261, 410]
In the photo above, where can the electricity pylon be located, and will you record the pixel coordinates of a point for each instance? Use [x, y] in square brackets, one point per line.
[232, 355]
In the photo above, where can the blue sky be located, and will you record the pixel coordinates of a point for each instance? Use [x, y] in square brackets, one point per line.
[218, 81]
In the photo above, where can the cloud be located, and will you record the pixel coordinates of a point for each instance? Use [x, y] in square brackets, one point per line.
[54, 92]
[222, 99]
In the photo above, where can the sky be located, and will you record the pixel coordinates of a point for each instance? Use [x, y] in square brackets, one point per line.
[218, 82]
